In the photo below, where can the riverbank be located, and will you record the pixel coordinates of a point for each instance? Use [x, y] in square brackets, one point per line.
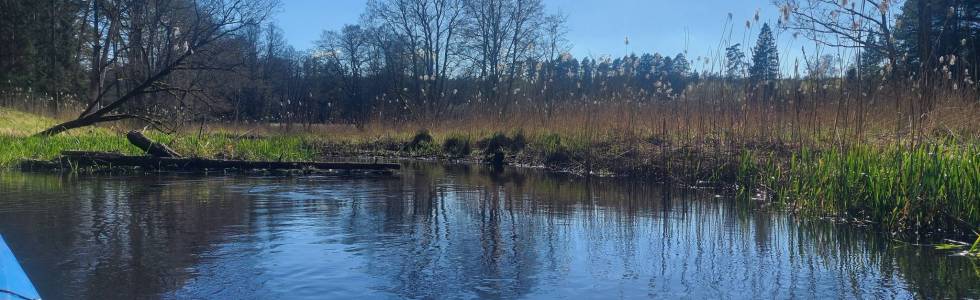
[932, 184]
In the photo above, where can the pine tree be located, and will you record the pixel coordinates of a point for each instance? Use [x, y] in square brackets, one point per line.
[765, 57]
[735, 65]
[871, 59]
[644, 68]
[681, 67]
[680, 72]
[954, 30]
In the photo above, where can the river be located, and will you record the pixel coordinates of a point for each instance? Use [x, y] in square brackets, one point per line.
[443, 231]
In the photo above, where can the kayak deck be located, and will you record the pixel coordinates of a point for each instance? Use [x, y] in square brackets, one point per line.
[14, 284]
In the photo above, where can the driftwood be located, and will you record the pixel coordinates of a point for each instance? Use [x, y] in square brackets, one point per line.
[151, 147]
[71, 159]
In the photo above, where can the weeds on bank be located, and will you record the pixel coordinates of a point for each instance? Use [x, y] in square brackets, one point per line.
[924, 186]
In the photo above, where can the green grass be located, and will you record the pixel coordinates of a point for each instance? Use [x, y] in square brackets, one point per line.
[926, 186]
[975, 249]
[17, 142]
[16, 123]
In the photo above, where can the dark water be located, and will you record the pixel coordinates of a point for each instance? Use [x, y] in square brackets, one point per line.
[436, 231]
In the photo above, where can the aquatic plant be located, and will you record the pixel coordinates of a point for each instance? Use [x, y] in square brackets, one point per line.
[975, 249]
[923, 186]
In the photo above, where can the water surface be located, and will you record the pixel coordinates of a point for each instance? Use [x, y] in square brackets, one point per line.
[437, 231]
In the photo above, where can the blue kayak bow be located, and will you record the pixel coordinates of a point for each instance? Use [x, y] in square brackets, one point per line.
[14, 284]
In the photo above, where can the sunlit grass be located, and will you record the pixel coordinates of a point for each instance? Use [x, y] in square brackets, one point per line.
[929, 185]
[17, 142]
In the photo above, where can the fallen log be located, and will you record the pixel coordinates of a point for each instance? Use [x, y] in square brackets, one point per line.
[70, 159]
[150, 146]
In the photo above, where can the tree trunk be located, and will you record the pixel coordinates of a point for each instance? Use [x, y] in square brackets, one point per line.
[150, 146]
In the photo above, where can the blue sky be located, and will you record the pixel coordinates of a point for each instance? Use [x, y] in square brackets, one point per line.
[596, 27]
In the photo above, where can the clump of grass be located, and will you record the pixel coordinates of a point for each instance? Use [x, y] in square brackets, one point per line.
[16, 148]
[421, 139]
[927, 186]
[500, 142]
[274, 148]
[422, 144]
[457, 146]
[553, 150]
[497, 146]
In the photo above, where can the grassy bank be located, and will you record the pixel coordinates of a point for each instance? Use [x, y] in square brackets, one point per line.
[930, 184]
[17, 142]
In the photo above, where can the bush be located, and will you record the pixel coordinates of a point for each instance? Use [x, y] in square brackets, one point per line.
[499, 142]
[421, 140]
[456, 146]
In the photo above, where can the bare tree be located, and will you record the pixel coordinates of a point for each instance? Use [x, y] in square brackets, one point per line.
[137, 45]
[845, 24]
[432, 29]
[501, 34]
[555, 37]
[349, 48]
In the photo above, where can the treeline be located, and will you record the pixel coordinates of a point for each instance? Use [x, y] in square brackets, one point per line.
[426, 59]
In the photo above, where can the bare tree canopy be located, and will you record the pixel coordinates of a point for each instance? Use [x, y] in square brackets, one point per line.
[136, 45]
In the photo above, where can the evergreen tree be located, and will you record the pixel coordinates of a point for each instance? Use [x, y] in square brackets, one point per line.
[39, 46]
[680, 72]
[644, 68]
[871, 59]
[667, 68]
[659, 67]
[955, 30]
[735, 65]
[588, 72]
[681, 67]
[603, 69]
[765, 57]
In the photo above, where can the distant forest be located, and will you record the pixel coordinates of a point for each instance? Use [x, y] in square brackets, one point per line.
[423, 59]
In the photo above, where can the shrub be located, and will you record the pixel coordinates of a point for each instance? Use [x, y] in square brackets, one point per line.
[499, 142]
[456, 146]
[421, 140]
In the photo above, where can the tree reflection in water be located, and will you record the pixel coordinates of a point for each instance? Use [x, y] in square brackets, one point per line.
[438, 231]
